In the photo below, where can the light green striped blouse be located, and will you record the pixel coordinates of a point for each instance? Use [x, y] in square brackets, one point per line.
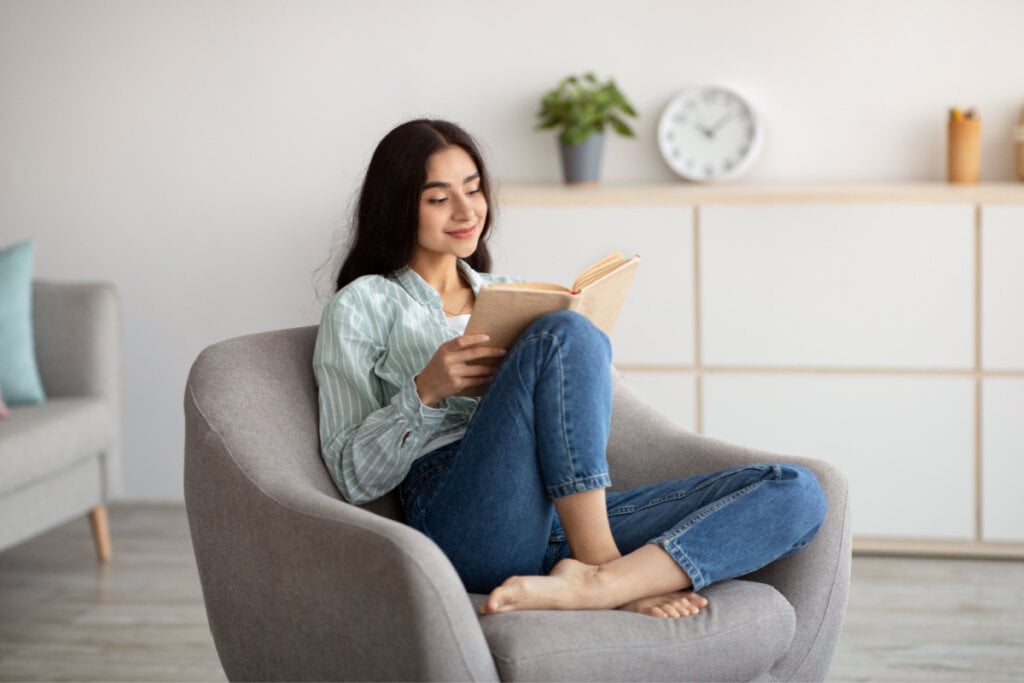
[375, 336]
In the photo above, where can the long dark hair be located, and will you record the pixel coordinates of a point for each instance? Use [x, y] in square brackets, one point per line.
[386, 223]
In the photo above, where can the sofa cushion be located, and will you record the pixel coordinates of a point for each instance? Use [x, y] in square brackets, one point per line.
[41, 439]
[743, 631]
[19, 375]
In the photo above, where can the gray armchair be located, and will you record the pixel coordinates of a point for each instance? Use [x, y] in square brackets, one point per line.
[60, 459]
[300, 585]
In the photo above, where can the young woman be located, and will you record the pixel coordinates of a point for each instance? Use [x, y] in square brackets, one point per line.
[512, 486]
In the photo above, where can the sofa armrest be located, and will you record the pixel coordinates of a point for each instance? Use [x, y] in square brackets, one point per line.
[77, 338]
[647, 447]
[299, 585]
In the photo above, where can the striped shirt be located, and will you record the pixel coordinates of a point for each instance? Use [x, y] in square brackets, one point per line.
[375, 336]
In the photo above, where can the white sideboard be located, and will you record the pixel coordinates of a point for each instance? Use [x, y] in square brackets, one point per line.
[877, 327]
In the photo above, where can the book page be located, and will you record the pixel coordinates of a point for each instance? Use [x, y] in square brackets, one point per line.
[601, 301]
[598, 270]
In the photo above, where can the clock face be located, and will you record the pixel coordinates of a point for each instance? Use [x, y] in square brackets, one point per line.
[709, 133]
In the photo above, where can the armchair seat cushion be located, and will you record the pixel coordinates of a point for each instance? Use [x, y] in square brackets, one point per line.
[40, 440]
[744, 630]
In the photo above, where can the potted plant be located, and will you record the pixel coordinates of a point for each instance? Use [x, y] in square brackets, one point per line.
[583, 107]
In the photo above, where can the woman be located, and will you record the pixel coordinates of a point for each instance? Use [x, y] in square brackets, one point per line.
[512, 486]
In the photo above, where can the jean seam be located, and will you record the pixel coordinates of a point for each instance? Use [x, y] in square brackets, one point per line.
[555, 491]
[579, 484]
[567, 444]
[629, 509]
[718, 505]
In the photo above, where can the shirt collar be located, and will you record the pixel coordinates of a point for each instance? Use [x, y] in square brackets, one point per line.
[418, 288]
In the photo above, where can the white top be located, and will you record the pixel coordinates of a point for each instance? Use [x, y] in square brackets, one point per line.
[458, 322]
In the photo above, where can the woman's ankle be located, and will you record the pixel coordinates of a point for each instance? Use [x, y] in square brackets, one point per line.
[597, 556]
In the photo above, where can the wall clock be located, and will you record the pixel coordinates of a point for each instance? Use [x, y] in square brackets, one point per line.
[709, 133]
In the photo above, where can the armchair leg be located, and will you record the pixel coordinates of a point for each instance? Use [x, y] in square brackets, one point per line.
[100, 532]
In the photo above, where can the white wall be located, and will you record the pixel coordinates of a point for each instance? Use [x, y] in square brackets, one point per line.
[202, 155]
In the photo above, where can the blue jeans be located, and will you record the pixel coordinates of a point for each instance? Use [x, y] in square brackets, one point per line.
[540, 433]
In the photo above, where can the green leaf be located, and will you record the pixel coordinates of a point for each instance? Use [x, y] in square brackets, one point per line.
[620, 126]
[582, 105]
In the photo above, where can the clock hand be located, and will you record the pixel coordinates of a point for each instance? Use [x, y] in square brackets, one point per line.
[719, 123]
[706, 132]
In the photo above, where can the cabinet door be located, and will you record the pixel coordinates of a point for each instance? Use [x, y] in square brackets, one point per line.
[1003, 462]
[555, 243]
[847, 286]
[1002, 267]
[904, 442]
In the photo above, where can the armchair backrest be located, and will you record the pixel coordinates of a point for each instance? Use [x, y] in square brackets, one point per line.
[260, 393]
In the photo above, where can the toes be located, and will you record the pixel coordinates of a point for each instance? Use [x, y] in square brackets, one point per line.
[683, 608]
[673, 609]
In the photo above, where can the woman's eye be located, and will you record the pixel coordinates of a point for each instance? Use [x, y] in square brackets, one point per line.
[437, 200]
[475, 190]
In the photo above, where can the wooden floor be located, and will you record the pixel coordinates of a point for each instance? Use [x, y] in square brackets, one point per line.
[141, 618]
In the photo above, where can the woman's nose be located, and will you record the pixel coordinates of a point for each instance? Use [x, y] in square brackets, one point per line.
[464, 210]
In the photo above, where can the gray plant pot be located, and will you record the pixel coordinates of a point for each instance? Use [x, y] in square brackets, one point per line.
[582, 163]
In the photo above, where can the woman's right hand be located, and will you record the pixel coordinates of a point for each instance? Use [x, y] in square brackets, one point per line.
[451, 371]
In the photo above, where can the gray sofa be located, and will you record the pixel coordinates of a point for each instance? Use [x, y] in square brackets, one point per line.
[60, 459]
[300, 585]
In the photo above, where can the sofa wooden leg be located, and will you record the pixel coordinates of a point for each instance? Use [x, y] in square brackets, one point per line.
[100, 532]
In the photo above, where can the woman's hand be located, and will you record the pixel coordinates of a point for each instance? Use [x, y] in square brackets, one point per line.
[450, 371]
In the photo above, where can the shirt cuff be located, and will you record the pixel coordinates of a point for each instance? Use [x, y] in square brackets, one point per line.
[412, 409]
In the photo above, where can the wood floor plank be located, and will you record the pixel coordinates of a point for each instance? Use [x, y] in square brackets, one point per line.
[139, 618]
[64, 617]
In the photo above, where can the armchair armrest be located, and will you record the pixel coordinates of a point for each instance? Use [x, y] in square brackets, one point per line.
[309, 587]
[298, 584]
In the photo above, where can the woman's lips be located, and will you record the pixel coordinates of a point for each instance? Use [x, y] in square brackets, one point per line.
[462, 234]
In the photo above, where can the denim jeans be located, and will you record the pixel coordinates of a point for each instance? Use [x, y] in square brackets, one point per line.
[540, 433]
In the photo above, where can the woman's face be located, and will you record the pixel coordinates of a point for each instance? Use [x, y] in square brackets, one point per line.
[452, 206]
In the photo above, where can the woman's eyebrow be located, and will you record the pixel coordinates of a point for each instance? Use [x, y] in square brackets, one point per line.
[441, 183]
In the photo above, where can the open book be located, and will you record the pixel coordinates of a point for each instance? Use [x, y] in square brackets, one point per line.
[504, 311]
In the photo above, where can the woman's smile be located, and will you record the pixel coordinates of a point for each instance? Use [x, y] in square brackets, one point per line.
[462, 233]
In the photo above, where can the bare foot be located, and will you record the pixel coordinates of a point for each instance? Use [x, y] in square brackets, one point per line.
[575, 585]
[677, 604]
[570, 585]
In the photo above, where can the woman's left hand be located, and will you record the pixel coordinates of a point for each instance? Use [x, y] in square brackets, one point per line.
[452, 368]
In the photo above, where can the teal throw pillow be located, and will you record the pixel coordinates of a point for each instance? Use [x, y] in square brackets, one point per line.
[19, 375]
